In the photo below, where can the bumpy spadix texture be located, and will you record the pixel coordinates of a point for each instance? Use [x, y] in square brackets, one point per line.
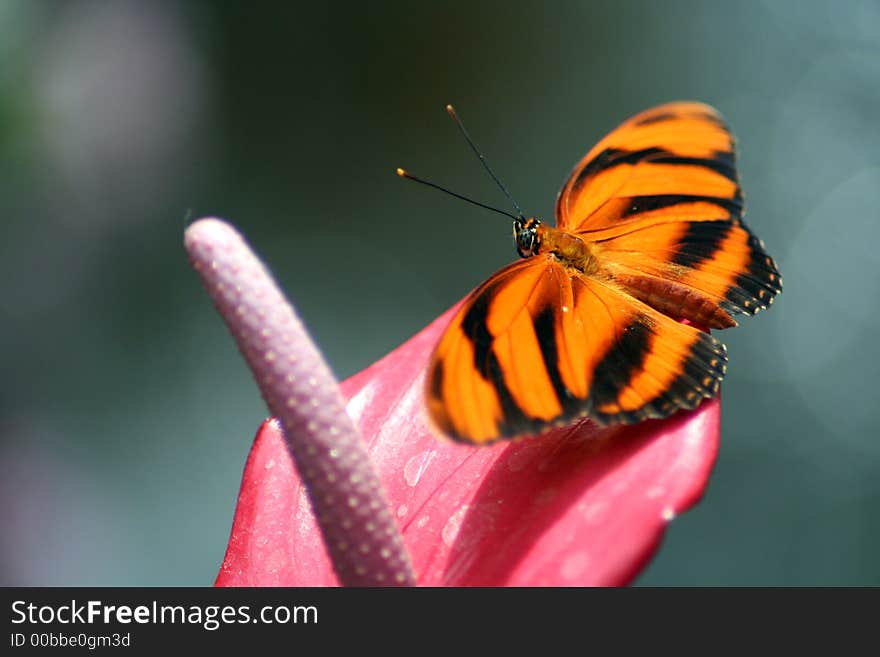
[360, 535]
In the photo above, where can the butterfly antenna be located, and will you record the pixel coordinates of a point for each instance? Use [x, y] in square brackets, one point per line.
[406, 174]
[451, 111]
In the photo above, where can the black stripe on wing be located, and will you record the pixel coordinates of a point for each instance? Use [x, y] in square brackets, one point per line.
[727, 208]
[620, 364]
[701, 242]
[721, 162]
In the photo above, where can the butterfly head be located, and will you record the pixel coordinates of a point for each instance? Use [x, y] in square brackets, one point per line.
[525, 234]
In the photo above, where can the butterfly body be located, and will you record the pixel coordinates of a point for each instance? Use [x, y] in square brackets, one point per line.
[649, 231]
[533, 237]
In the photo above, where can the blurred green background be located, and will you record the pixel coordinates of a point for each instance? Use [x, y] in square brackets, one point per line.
[126, 413]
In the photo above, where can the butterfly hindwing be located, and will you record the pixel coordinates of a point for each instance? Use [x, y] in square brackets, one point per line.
[702, 271]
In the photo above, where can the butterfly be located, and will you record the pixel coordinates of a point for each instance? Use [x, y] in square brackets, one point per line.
[649, 230]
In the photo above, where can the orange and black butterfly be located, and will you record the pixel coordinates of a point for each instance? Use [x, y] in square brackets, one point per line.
[649, 230]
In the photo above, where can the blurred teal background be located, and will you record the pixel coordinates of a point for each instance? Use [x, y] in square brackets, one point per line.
[126, 413]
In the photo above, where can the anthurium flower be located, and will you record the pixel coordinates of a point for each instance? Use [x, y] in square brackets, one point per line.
[579, 505]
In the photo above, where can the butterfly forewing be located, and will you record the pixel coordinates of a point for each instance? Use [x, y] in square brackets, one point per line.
[539, 345]
[675, 162]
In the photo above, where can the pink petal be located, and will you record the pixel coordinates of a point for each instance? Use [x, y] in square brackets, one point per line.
[275, 539]
[578, 506]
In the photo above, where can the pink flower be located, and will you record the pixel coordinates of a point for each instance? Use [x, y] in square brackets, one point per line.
[579, 505]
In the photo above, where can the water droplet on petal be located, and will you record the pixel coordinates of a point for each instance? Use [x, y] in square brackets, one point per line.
[415, 467]
[453, 525]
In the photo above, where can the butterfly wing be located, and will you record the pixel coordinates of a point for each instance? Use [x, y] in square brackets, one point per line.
[660, 197]
[671, 163]
[540, 344]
